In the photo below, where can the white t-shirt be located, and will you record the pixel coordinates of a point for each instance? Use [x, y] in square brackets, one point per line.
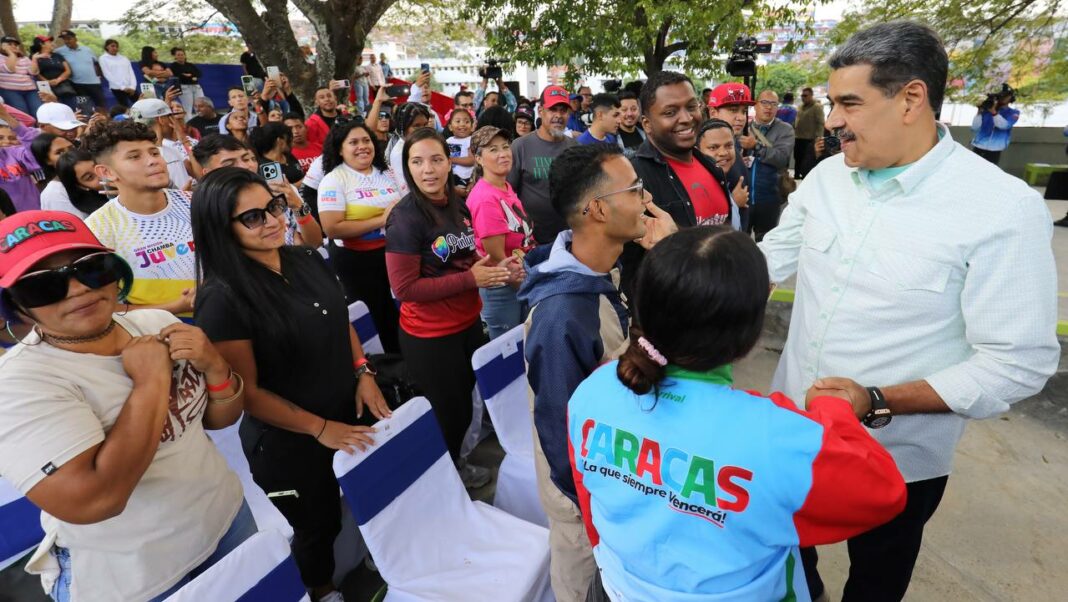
[118, 71]
[174, 154]
[396, 164]
[158, 247]
[54, 197]
[460, 147]
[315, 174]
[56, 404]
[360, 197]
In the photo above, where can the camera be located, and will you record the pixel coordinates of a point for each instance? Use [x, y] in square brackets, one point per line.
[742, 61]
[991, 101]
[612, 86]
[492, 69]
[832, 145]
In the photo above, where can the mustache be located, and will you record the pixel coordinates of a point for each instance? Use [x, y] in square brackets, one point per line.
[844, 135]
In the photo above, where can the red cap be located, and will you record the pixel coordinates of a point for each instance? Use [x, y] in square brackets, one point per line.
[730, 94]
[29, 236]
[552, 96]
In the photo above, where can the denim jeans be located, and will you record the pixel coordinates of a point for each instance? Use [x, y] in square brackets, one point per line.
[362, 92]
[190, 93]
[501, 310]
[243, 527]
[26, 101]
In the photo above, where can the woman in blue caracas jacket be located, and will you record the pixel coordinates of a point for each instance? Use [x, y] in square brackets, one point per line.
[692, 490]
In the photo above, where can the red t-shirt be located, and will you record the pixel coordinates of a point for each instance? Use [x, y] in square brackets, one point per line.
[307, 155]
[709, 201]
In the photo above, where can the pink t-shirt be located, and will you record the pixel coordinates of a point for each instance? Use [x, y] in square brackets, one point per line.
[494, 212]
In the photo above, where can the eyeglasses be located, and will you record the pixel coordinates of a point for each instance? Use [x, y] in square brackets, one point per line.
[45, 287]
[256, 218]
[639, 188]
[771, 104]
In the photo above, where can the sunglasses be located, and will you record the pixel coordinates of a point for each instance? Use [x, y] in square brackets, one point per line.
[45, 287]
[256, 218]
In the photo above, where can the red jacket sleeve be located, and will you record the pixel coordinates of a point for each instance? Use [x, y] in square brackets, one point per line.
[856, 485]
[317, 130]
[408, 284]
[583, 495]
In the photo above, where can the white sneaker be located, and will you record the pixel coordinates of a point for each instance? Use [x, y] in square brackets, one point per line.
[473, 476]
[334, 596]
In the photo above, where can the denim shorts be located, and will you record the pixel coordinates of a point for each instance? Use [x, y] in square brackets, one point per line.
[243, 527]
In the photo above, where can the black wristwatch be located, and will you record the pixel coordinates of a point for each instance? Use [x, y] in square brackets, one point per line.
[365, 367]
[305, 210]
[879, 415]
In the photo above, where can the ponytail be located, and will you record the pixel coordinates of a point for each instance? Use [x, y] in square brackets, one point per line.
[637, 369]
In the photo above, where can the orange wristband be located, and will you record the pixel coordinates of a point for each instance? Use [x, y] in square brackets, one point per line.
[224, 386]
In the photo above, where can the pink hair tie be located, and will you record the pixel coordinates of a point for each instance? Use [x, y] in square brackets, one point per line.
[651, 351]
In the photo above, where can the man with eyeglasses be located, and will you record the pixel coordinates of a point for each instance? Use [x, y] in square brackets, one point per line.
[577, 322]
[148, 224]
[809, 128]
[464, 99]
[767, 148]
[532, 156]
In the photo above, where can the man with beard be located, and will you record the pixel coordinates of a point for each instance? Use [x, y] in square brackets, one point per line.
[631, 135]
[531, 158]
[926, 284]
[323, 118]
[685, 184]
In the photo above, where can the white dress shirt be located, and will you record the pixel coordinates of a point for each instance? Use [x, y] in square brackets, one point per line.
[944, 274]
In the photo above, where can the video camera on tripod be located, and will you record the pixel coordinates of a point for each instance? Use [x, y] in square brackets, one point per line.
[492, 69]
[742, 61]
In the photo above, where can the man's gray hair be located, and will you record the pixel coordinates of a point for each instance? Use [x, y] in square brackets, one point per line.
[898, 52]
[206, 100]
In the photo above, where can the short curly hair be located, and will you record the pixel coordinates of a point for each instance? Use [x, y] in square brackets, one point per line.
[104, 137]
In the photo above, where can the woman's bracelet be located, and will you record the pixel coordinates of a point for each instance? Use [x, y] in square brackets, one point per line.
[240, 390]
[322, 430]
[225, 384]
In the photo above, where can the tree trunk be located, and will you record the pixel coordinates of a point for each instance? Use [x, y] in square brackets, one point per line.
[341, 25]
[7, 18]
[61, 11]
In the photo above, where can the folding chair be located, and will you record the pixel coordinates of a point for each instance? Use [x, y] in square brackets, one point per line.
[20, 525]
[361, 320]
[429, 540]
[501, 376]
[260, 569]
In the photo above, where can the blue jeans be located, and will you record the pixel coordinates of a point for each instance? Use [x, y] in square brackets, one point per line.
[501, 310]
[362, 93]
[26, 101]
[243, 527]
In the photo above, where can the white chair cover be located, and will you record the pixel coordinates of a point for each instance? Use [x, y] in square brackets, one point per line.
[361, 320]
[429, 540]
[260, 569]
[501, 376]
[20, 525]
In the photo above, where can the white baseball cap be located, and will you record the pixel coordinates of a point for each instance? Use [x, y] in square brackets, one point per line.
[149, 108]
[57, 115]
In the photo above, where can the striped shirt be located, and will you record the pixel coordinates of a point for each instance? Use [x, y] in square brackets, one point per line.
[20, 78]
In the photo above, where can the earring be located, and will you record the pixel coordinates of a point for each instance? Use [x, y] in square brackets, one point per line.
[10, 333]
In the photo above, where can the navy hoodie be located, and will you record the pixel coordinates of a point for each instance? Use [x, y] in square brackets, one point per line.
[577, 322]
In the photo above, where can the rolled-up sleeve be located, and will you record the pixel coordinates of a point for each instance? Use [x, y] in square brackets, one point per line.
[1009, 305]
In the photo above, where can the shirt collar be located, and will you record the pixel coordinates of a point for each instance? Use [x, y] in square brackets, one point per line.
[918, 172]
[723, 375]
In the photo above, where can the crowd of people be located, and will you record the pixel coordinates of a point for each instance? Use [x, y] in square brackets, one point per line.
[169, 267]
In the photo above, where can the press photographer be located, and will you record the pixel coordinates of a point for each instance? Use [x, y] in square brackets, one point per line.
[993, 124]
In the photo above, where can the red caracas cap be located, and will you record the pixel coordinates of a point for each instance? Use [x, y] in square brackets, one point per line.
[552, 96]
[730, 94]
[29, 236]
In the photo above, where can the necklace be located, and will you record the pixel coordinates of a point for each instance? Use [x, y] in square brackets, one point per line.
[51, 339]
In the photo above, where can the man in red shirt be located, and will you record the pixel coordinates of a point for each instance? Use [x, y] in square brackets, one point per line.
[685, 184]
[302, 149]
[323, 118]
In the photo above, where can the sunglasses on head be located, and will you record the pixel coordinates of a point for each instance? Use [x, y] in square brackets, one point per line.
[45, 287]
[256, 218]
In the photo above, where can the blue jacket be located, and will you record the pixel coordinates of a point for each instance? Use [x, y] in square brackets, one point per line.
[577, 322]
[704, 493]
[992, 132]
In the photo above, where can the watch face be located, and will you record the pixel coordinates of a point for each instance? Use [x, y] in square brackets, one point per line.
[878, 422]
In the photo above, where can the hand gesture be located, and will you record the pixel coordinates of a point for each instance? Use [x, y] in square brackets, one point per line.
[740, 194]
[747, 142]
[368, 395]
[423, 80]
[172, 93]
[189, 343]
[338, 435]
[381, 95]
[146, 359]
[487, 276]
[843, 388]
[657, 227]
